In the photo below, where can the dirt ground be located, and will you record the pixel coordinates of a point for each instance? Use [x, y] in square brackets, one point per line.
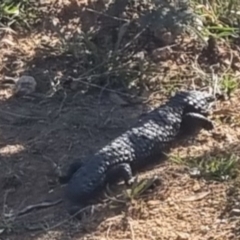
[39, 135]
[36, 138]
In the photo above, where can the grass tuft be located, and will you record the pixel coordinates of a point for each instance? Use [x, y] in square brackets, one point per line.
[219, 167]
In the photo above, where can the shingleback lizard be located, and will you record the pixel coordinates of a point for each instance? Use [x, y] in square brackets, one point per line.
[182, 115]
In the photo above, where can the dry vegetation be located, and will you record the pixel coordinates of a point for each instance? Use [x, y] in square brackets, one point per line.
[98, 65]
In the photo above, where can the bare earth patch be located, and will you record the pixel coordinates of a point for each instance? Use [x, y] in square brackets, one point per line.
[183, 208]
[65, 120]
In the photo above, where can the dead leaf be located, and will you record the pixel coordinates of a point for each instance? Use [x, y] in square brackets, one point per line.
[196, 197]
[223, 112]
[154, 202]
[122, 31]
[183, 236]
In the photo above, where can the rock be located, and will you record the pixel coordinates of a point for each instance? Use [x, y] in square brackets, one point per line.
[182, 236]
[25, 85]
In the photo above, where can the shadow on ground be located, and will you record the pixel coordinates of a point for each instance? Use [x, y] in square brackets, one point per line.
[83, 45]
[38, 137]
[39, 134]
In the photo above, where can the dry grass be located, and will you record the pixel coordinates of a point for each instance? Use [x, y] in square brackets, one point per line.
[96, 72]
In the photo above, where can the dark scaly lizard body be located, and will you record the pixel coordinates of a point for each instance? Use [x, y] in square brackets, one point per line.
[180, 116]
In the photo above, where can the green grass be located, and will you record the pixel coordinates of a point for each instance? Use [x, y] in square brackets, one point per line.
[229, 83]
[219, 167]
[103, 63]
[216, 15]
[17, 13]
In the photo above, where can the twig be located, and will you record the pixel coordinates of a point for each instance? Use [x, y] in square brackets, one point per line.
[4, 201]
[136, 37]
[106, 15]
[41, 205]
[18, 115]
[107, 89]
[196, 197]
[114, 199]
[102, 90]
[62, 104]
[71, 217]
[132, 232]
[109, 228]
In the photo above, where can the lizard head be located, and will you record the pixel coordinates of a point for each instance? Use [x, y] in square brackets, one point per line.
[196, 101]
[196, 107]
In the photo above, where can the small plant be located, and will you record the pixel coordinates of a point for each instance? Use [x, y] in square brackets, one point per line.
[16, 12]
[139, 187]
[216, 17]
[218, 167]
[229, 84]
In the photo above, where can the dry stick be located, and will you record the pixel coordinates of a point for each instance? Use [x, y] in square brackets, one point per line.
[131, 229]
[83, 76]
[38, 206]
[136, 37]
[47, 204]
[4, 201]
[108, 231]
[19, 115]
[106, 89]
[66, 220]
[102, 90]
[60, 223]
[229, 66]
[114, 199]
[91, 70]
[101, 64]
[143, 99]
[106, 15]
[198, 69]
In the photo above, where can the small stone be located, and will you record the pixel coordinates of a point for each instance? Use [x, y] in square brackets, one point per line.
[204, 229]
[182, 236]
[154, 202]
[235, 212]
[161, 54]
[159, 223]
[25, 85]
[196, 187]
[194, 172]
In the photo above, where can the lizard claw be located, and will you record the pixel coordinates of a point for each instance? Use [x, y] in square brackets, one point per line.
[208, 125]
[130, 181]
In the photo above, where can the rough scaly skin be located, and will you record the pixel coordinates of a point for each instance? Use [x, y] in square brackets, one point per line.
[147, 140]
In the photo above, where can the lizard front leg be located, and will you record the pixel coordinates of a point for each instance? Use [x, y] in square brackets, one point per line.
[119, 172]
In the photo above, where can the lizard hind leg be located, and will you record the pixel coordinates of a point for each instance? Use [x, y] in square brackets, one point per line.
[70, 172]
